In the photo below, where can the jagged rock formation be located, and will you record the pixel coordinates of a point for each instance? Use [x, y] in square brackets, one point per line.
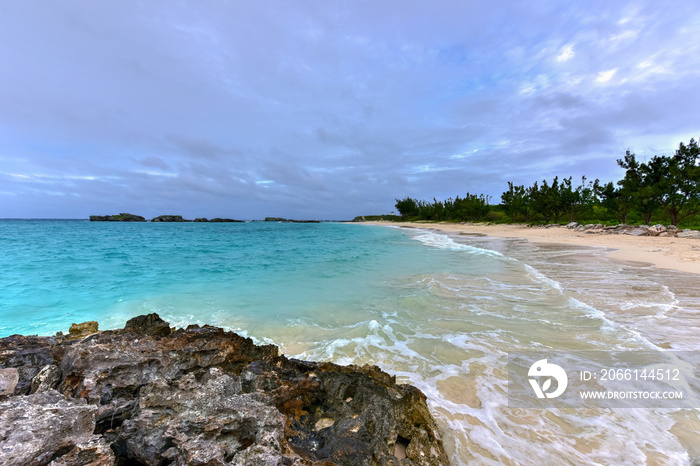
[84, 329]
[152, 395]
[289, 220]
[123, 217]
[632, 230]
[158, 219]
[169, 218]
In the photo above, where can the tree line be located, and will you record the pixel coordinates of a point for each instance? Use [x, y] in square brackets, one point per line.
[666, 188]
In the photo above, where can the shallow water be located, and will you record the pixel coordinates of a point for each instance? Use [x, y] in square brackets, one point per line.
[439, 312]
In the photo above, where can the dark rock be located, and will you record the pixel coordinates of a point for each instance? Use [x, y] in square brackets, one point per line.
[206, 396]
[150, 324]
[289, 220]
[207, 421]
[222, 220]
[200, 219]
[123, 217]
[94, 452]
[81, 330]
[28, 355]
[169, 218]
[45, 427]
[48, 378]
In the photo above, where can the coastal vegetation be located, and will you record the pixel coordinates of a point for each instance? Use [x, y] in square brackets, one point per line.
[665, 189]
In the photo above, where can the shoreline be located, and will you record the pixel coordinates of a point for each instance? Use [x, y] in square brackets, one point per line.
[681, 254]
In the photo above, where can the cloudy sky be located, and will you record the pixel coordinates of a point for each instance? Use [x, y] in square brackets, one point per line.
[329, 109]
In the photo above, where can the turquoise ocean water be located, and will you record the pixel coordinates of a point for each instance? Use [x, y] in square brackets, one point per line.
[440, 312]
[57, 272]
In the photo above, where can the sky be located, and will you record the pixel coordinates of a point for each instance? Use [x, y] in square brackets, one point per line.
[317, 109]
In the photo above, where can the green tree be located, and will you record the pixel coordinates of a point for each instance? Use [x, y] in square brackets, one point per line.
[675, 181]
[516, 202]
[407, 207]
[671, 183]
[639, 187]
[615, 200]
[574, 199]
[471, 207]
[546, 200]
[438, 211]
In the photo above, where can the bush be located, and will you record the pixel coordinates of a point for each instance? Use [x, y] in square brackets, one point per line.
[495, 216]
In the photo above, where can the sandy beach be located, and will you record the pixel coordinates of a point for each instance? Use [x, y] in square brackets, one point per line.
[681, 254]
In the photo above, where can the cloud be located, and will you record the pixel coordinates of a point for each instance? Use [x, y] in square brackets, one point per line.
[328, 110]
[566, 53]
[605, 76]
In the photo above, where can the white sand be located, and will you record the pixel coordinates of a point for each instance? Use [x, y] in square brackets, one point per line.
[681, 254]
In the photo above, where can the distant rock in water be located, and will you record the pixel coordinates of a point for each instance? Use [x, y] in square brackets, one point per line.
[289, 220]
[84, 329]
[123, 217]
[169, 218]
[160, 218]
[152, 395]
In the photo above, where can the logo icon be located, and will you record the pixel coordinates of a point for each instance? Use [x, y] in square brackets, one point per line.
[543, 369]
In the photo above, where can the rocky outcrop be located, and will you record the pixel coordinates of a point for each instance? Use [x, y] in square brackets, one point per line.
[165, 218]
[48, 428]
[123, 217]
[169, 218]
[84, 329]
[289, 220]
[632, 230]
[153, 395]
[9, 378]
[656, 230]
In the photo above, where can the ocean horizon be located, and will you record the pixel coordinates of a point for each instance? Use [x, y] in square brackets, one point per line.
[440, 312]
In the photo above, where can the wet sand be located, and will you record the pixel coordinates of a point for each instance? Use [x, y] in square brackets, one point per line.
[681, 254]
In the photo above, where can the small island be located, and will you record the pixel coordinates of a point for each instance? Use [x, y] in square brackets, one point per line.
[123, 217]
[126, 217]
[289, 220]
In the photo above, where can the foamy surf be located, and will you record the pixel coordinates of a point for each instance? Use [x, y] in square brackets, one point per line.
[442, 241]
[439, 312]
